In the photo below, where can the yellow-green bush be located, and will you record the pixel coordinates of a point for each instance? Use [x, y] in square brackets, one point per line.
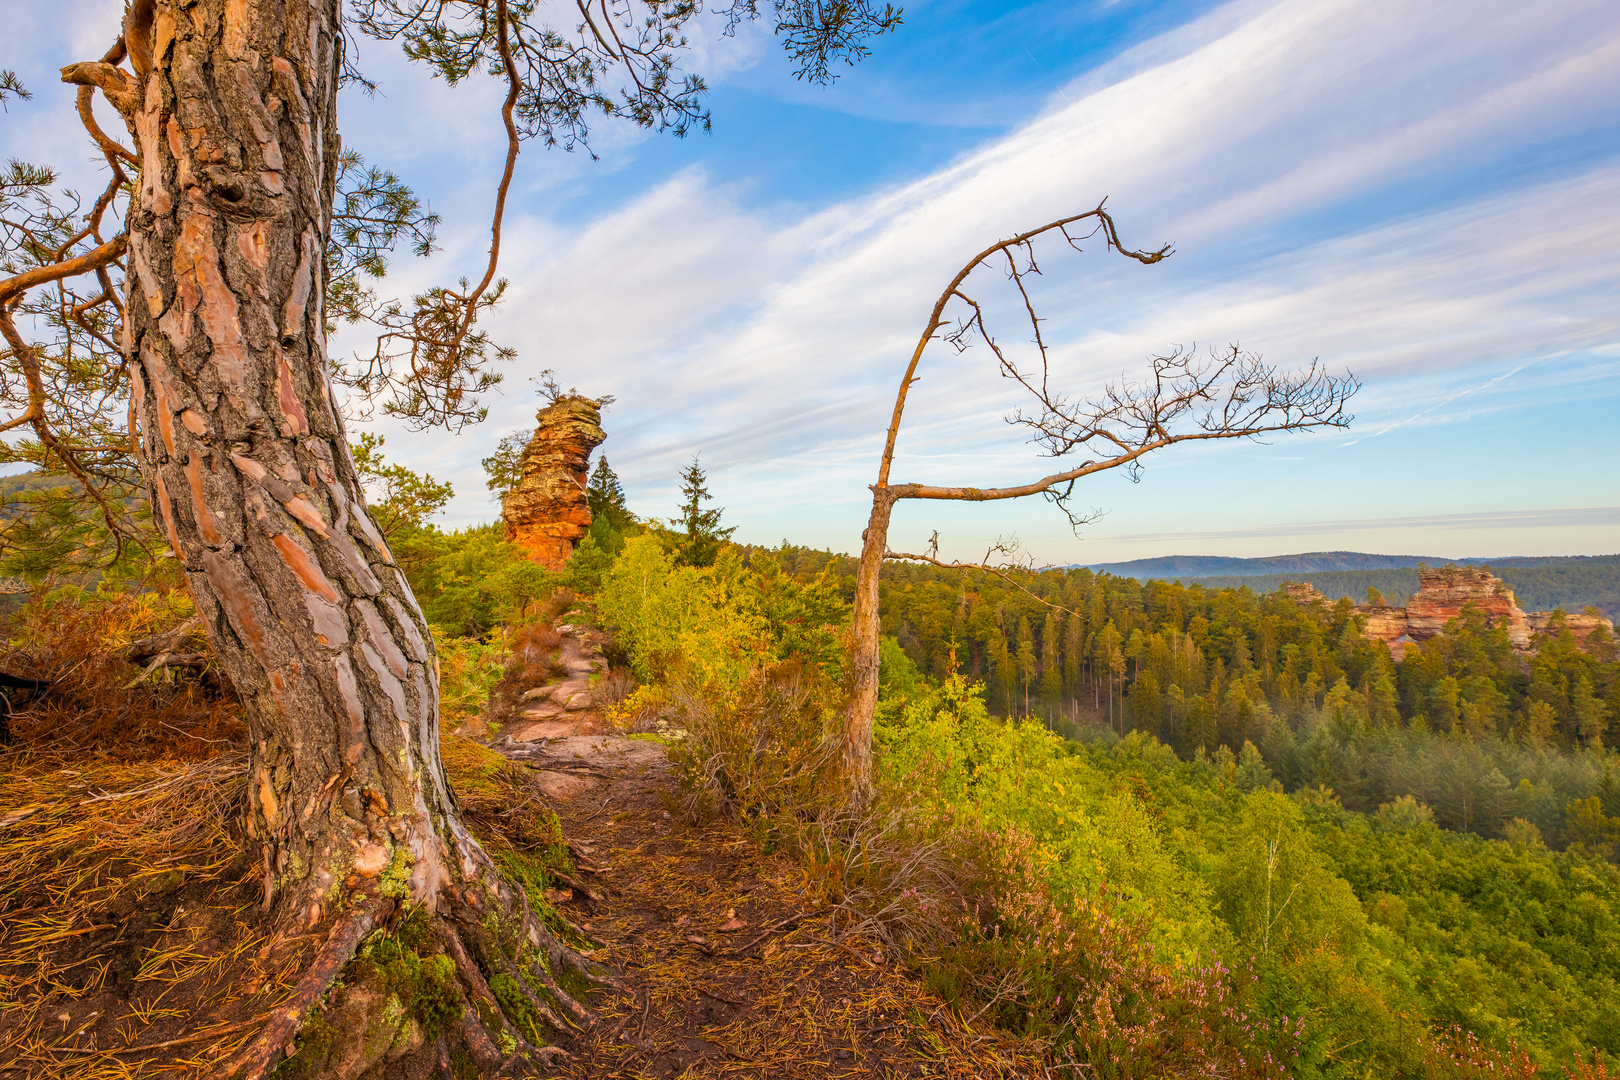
[1090, 834]
[714, 624]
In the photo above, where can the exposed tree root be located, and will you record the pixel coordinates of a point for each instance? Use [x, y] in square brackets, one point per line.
[266, 1050]
[499, 942]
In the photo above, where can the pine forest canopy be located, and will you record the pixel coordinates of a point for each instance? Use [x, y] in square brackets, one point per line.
[1208, 670]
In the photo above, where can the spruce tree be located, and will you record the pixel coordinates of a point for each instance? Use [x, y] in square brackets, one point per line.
[605, 496]
[702, 534]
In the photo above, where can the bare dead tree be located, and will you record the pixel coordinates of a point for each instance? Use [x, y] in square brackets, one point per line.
[1184, 396]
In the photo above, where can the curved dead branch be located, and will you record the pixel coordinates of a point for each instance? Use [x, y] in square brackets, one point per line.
[1023, 241]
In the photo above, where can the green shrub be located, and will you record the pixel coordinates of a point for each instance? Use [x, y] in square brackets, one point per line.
[471, 580]
[715, 624]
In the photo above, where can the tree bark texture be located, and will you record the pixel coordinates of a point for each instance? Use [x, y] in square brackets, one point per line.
[245, 455]
[862, 707]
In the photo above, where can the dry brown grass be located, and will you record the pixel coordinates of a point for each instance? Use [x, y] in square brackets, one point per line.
[132, 944]
[78, 648]
[131, 941]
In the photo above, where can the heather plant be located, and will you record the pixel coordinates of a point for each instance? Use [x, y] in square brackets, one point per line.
[763, 749]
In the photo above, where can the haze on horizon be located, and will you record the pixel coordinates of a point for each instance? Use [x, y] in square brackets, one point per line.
[1421, 194]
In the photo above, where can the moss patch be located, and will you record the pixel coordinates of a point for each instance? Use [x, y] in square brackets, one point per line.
[397, 993]
[423, 982]
[462, 1064]
[515, 1004]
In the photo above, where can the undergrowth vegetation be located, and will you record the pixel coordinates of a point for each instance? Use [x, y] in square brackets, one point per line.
[1137, 911]
[130, 906]
[1325, 879]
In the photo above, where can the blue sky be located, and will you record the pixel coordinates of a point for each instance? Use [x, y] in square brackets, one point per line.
[1425, 193]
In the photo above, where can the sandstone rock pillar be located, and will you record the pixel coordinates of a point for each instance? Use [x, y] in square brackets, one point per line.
[547, 513]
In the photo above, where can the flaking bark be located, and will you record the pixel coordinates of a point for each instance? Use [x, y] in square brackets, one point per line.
[246, 456]
[233, 109]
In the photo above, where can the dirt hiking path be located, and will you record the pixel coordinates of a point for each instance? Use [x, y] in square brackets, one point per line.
[727, 971]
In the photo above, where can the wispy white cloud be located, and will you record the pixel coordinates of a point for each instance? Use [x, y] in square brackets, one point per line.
[773, 344]
[1332, 172]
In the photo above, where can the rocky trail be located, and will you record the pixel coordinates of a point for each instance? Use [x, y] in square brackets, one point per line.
[725, 969]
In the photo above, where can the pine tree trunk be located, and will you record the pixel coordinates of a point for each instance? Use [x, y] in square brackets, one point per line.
[246, 459]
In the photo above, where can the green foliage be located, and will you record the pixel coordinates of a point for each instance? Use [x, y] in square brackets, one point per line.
[1343, 937]
[470, 580]
[406, 499]
[469, 668]
[997, 777]
[611, 524]
[372, 211]
[700, 537]
[12, 86]
[1154, 902]
[1462, 725]
[1507, 939]
[605, 496]
[898, 677]
[505, 465]
[716, 623]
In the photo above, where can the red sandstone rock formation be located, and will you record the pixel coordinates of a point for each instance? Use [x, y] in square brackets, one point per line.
[1304, 593]
[1387, 624]
[1581, 625]
[1443, 593]
[547, 512]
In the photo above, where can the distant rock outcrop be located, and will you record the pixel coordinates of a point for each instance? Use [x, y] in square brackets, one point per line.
[1387, 624]
[547, 512]
[1304, 593]
[1581, 625]
[1442, 594]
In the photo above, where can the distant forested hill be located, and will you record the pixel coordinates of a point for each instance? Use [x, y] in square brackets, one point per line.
[1540, 584]
[32, 480]
[1186, 567]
